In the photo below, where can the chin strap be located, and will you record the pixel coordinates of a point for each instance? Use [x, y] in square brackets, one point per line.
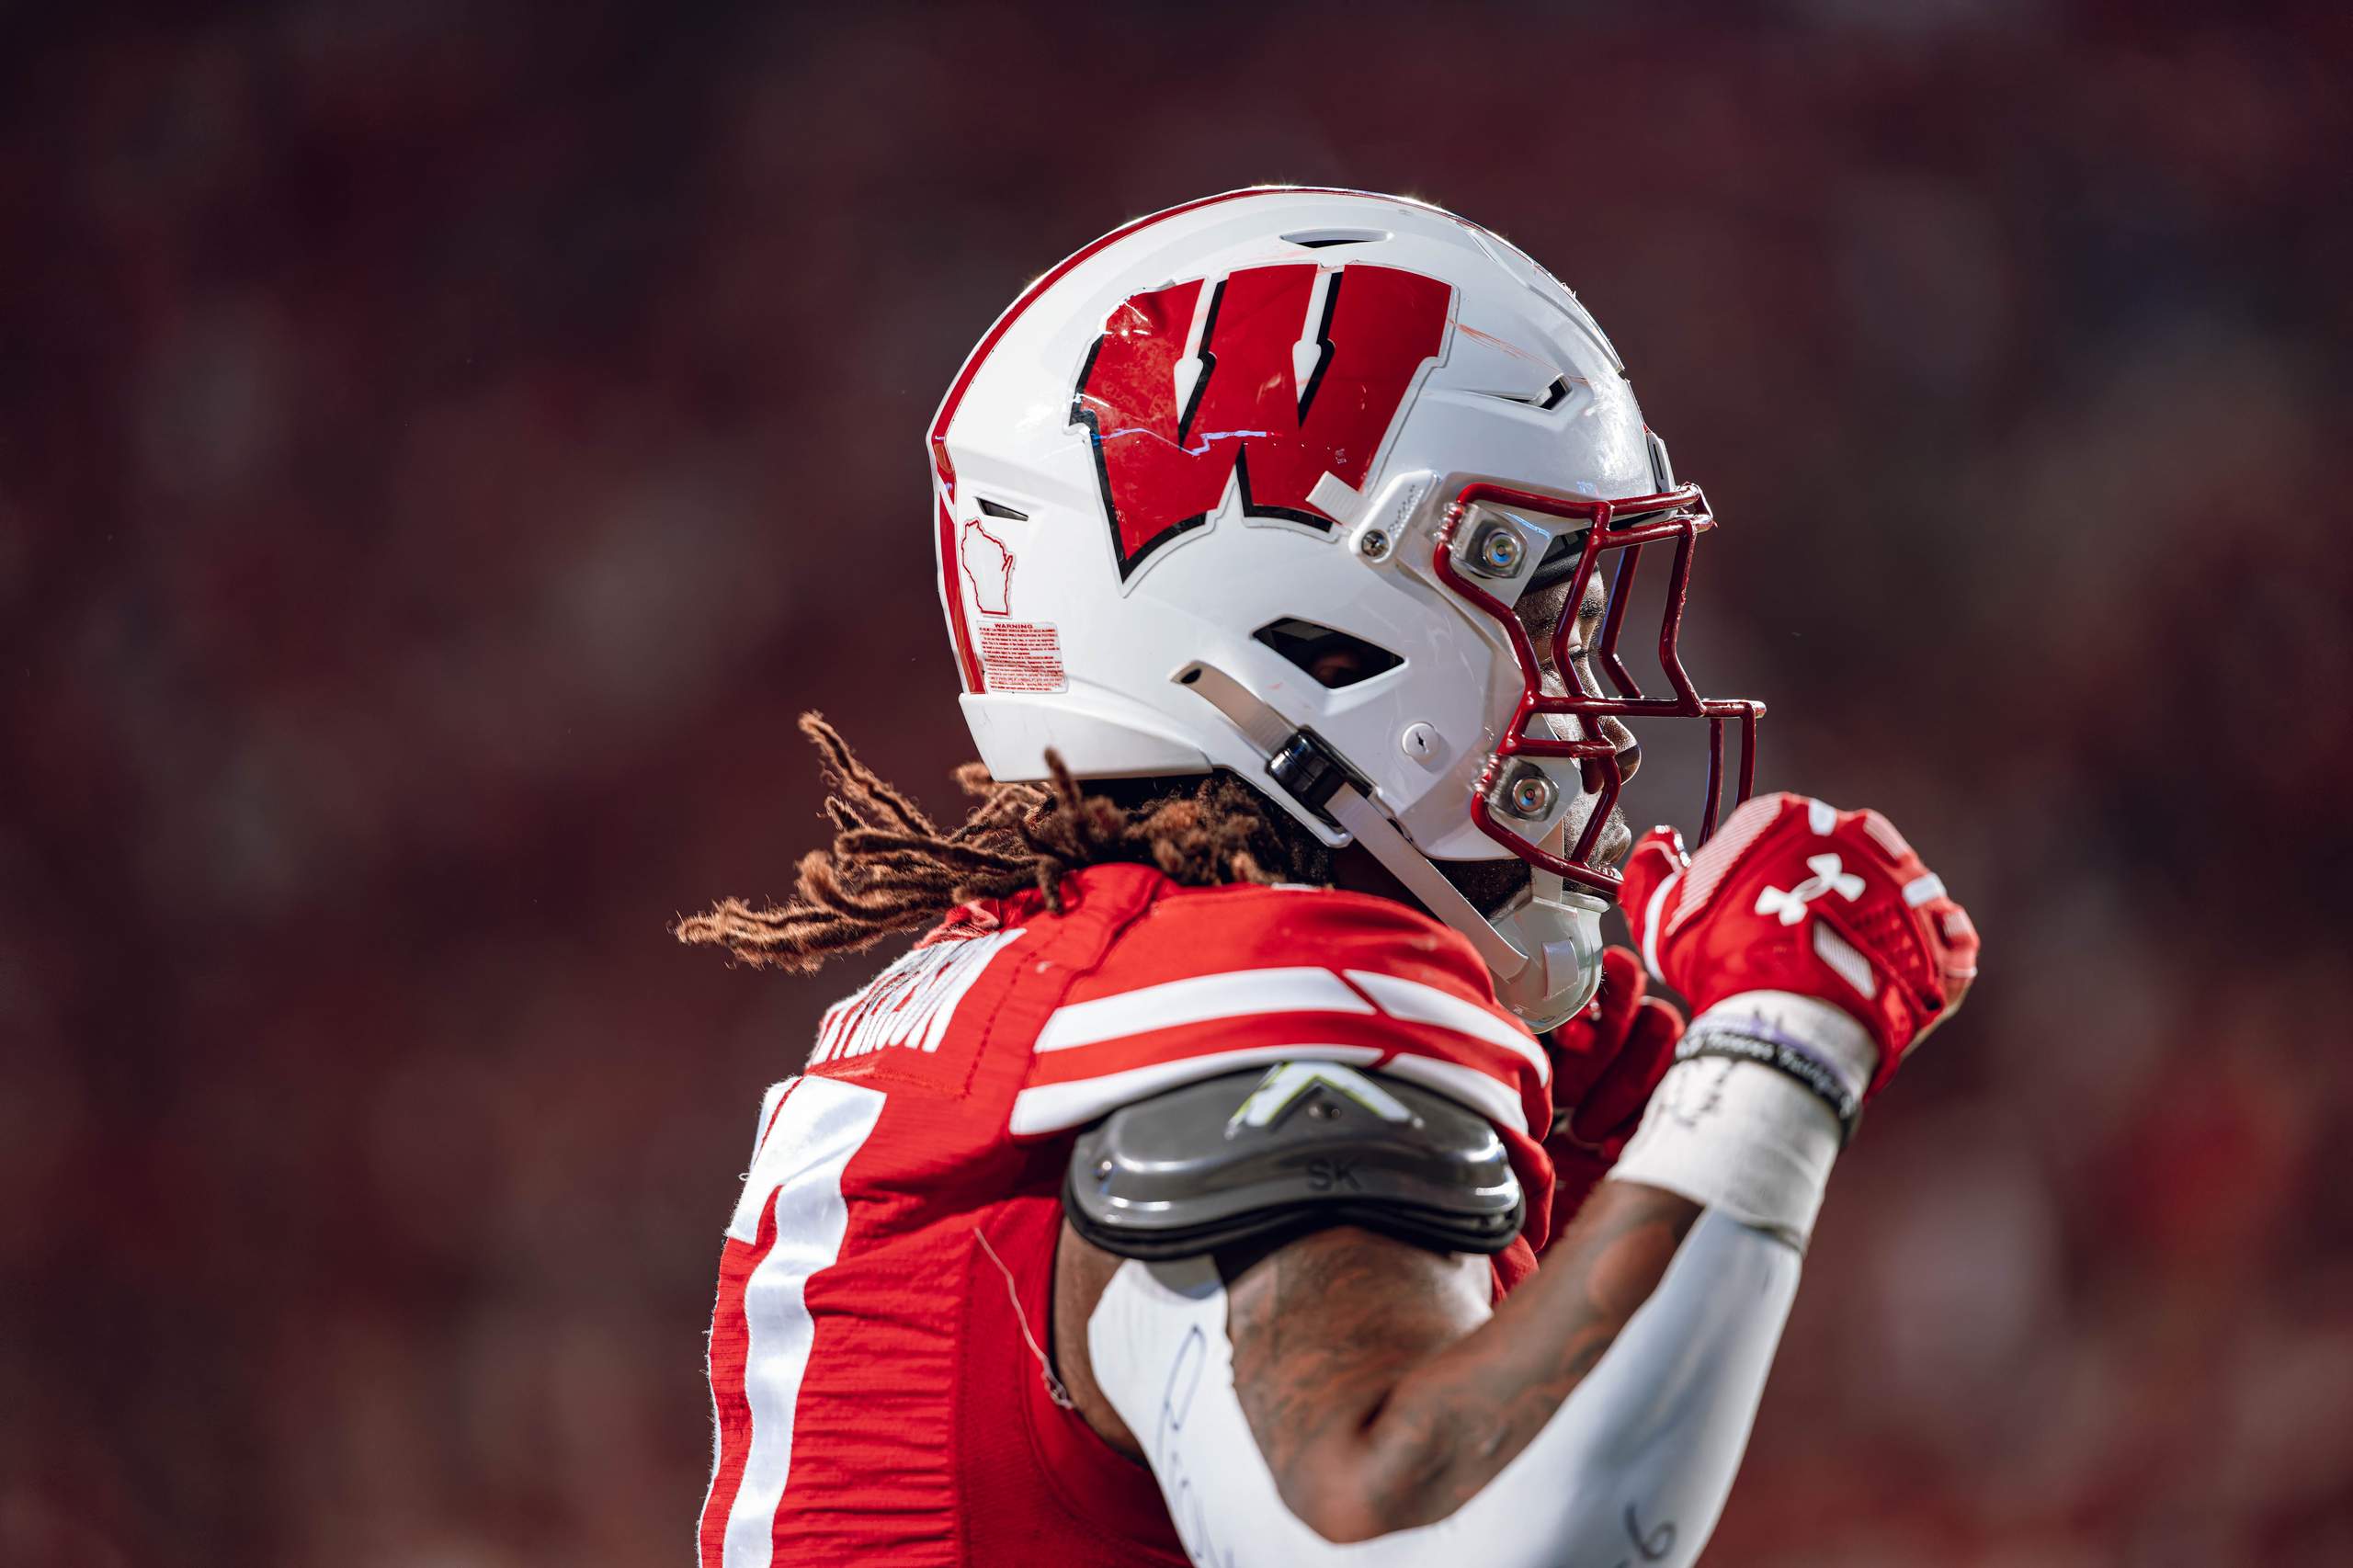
[1562, 937]
[1320, 778]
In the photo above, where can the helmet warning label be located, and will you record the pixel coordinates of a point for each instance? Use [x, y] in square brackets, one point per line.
[1022, 656]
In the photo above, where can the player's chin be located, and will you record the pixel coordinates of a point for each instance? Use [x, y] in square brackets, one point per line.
[1490, 885]
[1616, 837]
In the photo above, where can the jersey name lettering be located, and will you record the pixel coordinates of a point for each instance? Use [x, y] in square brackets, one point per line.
[910, 1003]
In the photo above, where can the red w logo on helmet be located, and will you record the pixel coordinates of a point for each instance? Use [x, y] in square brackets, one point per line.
[1270, 396]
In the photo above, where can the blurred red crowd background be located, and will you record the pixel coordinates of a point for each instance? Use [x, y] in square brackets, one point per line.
[442, 447]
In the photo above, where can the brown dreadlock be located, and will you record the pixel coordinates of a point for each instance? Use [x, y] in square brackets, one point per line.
[891, 868]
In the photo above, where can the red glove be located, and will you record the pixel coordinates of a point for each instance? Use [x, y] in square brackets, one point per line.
[1793, 895]
[1606, 1062]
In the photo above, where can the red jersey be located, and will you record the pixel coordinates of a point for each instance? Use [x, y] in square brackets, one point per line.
[878, 1353]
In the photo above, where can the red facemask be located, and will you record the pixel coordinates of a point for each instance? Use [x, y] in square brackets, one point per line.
[1680, 515]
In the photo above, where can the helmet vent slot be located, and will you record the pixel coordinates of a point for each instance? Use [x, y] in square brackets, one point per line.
[991, 509]
[1334, 658]
[1317, 239]
[1551, 397]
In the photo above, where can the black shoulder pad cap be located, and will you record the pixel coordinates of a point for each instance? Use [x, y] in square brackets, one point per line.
[1262, 1156]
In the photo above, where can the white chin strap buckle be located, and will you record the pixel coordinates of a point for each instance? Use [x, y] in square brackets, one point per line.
[1562, 932]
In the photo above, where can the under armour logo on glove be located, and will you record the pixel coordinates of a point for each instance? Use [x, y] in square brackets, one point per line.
[1892, 949]
[1828, 877]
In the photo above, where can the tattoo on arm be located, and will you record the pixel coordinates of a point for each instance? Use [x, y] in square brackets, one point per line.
[1378, 1397]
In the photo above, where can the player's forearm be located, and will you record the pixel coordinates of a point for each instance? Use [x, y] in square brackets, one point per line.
[1648, 1445]
[1456, 1417]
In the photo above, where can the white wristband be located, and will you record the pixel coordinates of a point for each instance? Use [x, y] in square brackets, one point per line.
[1745, 1138]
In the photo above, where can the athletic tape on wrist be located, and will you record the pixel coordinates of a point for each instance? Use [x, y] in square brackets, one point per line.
[1748, 1120]
[1737, 1137]
[1784, 1055]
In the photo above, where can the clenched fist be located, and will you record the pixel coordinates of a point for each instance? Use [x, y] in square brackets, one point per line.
[1792, 895]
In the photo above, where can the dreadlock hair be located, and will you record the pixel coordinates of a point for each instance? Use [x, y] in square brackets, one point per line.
[892, 868]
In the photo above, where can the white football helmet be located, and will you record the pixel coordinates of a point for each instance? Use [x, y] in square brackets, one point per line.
[1225, 437]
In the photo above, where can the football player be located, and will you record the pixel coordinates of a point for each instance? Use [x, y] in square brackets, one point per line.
[1179, 1194]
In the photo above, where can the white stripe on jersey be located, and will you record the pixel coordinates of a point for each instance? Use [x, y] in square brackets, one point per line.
[1051, 1108]
[1490, 1096]
[824, 1124]
[1251, 992]
[1199, 999]
[1419, 1004]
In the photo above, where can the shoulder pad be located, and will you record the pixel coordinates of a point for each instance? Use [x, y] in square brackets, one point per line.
[1262, 1156]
